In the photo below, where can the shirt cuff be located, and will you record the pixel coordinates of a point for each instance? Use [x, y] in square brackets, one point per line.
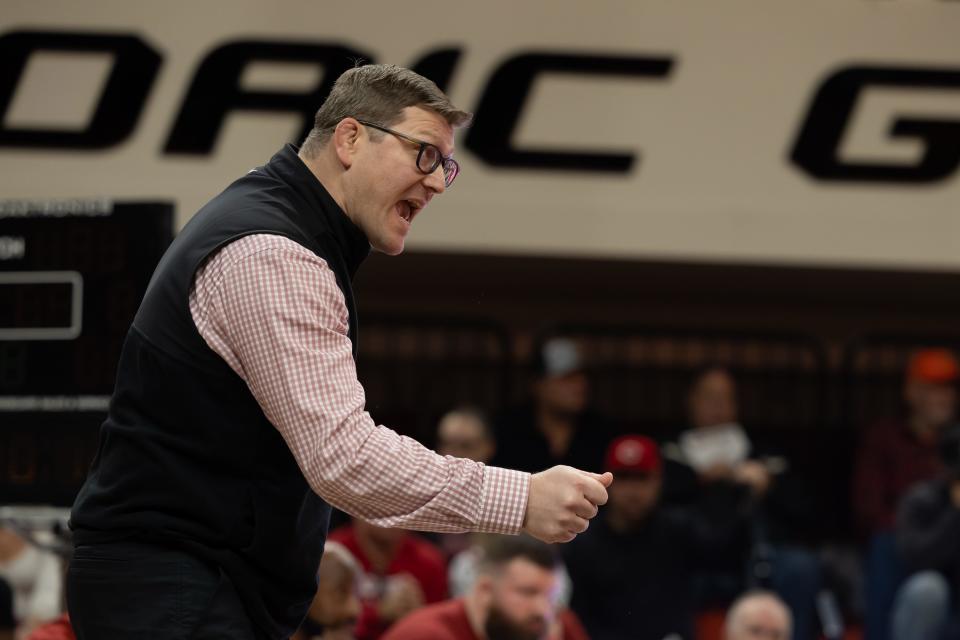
[503, 500]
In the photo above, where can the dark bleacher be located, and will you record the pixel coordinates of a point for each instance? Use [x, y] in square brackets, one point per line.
[416, 368]
[792, 395]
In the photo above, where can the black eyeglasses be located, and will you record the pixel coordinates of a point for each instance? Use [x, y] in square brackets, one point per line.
[428, 158]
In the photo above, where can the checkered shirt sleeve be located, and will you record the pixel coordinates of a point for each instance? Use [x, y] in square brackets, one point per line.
[273, 311]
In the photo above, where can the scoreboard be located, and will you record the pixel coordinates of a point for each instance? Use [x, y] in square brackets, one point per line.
[72, 273]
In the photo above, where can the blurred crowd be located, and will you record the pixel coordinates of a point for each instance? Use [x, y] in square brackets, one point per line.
[709, 524]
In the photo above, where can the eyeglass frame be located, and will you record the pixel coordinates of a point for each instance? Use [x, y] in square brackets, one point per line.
[423, 144]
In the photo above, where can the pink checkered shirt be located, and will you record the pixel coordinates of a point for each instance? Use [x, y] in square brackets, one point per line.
[273, 311]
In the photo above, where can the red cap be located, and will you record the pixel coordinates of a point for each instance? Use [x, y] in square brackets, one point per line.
[937, 366]
[633, 454]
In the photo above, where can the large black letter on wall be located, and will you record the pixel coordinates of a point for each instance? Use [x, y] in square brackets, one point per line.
[439, 66]
[508, 89]
[216, 90]
[134, 67]
[815, 150]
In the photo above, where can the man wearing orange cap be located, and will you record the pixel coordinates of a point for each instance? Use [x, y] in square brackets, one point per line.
[893, 456]
[632, 570]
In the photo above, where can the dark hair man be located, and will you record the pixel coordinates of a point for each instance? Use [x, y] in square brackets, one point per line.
[513, 598]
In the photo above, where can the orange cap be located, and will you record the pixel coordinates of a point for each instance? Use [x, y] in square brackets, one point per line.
[937, 366]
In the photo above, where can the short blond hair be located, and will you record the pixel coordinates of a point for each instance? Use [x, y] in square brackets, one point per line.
[379, 93]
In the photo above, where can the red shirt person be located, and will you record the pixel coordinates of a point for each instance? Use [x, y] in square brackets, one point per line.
[515, 596]
[402, 572]
[896, 454]
[893, 455]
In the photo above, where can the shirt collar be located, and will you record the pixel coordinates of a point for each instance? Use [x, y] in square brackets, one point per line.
[350, 238]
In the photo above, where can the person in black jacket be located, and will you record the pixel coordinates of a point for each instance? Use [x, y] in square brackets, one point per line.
[632, 570]
[928, 540]
[557, 425]
[717, 455]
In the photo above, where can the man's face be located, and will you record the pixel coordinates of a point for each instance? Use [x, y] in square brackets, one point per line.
[633, 496]
[463, 436]
[337, 608]
[522, 601]
[567, 393]
[386, 190]
[713, 400]
[933, 405]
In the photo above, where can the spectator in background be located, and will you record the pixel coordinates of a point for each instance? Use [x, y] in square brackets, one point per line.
[465, 567]
[464, 432]
[632, 569]
[895, 454]
[715, 457]
[35, 577]
[335, 610]
[928, 538]
[514, 597]
[401, 572]
[557, 426]
[758, 615]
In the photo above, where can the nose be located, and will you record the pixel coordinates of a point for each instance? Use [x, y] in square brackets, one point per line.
[435, 181]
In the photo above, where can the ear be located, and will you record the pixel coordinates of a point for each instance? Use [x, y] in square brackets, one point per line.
[346, 139]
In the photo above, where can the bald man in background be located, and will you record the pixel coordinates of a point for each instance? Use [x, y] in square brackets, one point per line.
[758, 615]
[335, 609]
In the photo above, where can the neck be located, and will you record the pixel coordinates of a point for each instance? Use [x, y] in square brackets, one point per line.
[922, 429]
[557, 428]
[618, 523]
[378, 554]
[552, 421]
[328, 174]
[476, 614]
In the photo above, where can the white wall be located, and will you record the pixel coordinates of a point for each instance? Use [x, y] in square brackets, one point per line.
[714, 180]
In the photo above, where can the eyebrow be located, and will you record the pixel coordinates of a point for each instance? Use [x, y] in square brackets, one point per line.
[428, 137]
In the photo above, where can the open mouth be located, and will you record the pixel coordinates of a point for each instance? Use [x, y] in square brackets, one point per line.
[407, 209]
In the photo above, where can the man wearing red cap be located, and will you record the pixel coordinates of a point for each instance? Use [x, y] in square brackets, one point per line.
[632, 569]
[893, 456]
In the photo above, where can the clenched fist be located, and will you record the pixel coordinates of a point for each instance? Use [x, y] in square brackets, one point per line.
[562, 501]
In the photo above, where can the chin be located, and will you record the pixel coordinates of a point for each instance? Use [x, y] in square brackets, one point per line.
[390, 250]
[391, 246]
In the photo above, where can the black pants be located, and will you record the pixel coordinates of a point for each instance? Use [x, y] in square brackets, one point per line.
[132, 590]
